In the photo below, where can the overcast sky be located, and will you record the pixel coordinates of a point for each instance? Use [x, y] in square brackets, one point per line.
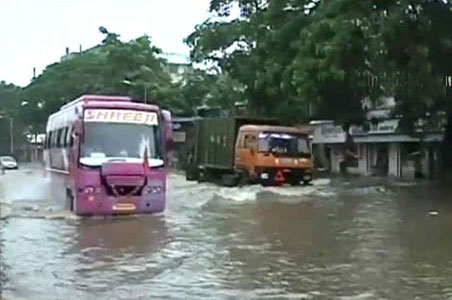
[35, 33]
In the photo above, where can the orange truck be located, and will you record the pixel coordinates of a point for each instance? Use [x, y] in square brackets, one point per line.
[236, 151]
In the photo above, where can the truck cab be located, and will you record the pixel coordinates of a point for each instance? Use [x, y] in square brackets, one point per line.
[273, 155]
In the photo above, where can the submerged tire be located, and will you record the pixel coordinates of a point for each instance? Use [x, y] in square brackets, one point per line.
[295, 182]
[267, 182]
[243, 177]
[229, 180]
[203, 175]
[191, 172]
[191, 175]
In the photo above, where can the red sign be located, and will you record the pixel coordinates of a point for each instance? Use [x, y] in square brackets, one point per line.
[121, 116]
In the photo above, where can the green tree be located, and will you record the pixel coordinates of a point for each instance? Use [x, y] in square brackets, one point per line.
[103, 69]
[305, 59]
[10, 100]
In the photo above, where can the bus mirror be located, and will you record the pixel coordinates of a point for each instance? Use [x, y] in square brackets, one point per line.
[78, 128]
[168, 135]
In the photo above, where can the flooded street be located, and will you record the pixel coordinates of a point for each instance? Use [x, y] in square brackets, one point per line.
[338, 239]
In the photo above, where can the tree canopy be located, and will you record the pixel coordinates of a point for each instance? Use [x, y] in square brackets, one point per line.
[293, 59]
[314, 59]
[135, 68]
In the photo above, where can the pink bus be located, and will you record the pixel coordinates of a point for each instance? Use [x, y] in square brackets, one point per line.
[108, 155]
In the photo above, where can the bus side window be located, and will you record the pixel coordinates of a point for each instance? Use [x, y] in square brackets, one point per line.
[57, 138]
[61, 138]
[64, 133]
[53, 135]
[46, 141]
[70, 137]
[59, 134]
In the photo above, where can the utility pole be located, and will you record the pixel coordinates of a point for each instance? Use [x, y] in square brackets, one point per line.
[11, 131]
[11, 135]
[130, 83]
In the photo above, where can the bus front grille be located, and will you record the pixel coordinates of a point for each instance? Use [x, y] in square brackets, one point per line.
[124, 190]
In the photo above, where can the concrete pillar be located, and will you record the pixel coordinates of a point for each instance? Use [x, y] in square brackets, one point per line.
[373, 157]
[336, 159]
[320, 152]
[394, 160]
[363, 161]
[425, 163]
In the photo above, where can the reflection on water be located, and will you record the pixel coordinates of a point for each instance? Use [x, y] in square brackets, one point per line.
[116, 253]
[88, 256]
[334, 240]
[142, 234]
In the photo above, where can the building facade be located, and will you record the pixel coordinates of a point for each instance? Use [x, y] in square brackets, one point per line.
[382, 148]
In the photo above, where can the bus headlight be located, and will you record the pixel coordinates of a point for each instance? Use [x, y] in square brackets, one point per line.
[153, 190]
[89, 190]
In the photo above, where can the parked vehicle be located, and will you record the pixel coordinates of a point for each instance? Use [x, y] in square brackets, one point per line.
[108, 155]
[8, 163]
[235, 151]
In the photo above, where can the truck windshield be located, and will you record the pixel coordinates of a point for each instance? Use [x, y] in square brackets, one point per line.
[118, 141]
[283, 144]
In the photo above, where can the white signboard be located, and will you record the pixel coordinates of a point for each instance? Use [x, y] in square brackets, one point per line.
[179, 137]
[328, 134]
[121, 116]
[386, 126]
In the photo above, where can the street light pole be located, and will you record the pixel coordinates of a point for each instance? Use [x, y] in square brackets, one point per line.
[130, 83]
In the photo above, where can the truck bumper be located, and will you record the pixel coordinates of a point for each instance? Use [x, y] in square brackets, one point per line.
[275, 176]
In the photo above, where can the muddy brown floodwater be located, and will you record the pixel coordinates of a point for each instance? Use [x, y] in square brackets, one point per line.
[338, 239]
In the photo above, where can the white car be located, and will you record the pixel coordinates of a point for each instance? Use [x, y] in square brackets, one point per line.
[8, 163]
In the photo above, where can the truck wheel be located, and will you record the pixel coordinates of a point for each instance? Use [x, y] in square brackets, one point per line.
[191, 174]
[203, 175]
[229, 180]
[267, 182]
[243, 177]
[294, 182]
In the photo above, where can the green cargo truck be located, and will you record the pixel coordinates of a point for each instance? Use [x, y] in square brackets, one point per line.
[239, 150]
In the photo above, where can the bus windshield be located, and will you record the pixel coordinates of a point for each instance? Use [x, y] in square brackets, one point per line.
[105, 142]
[283, 144]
